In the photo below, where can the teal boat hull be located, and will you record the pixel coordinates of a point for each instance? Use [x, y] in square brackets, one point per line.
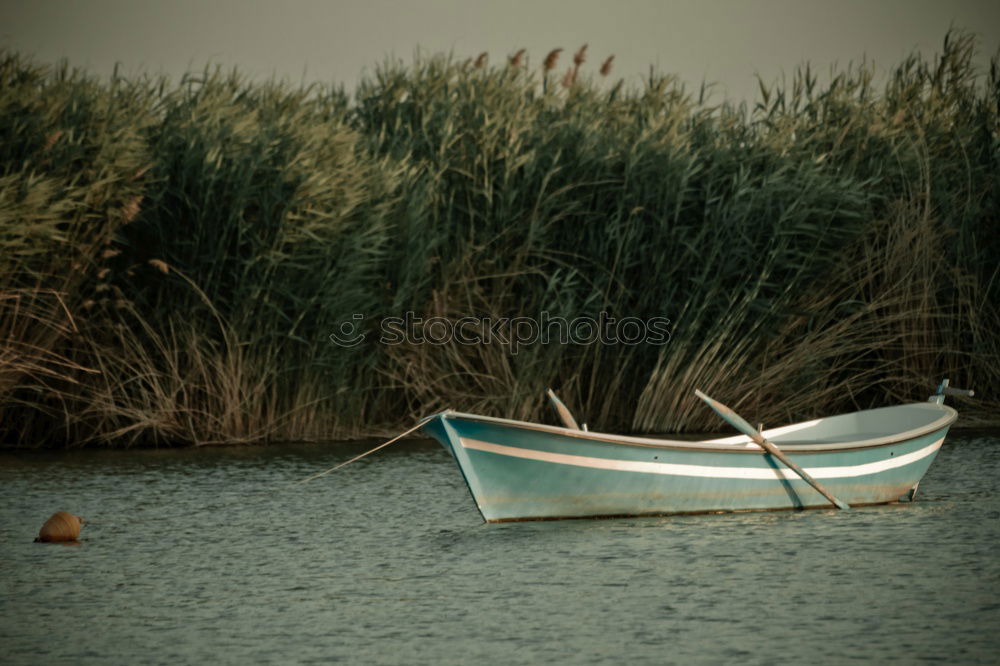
[526, 471]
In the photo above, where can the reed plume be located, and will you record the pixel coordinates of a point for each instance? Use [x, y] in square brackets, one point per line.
[51, 140]
[569, 78]
[551, 59]
[160, 265]
[131, 208]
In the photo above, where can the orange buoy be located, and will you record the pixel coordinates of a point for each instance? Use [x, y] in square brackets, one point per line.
[61, 526]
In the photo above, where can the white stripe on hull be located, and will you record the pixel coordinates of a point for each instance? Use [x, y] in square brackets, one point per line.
[674, 469]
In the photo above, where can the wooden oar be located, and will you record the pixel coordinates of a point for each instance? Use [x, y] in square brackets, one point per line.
[564, 414]
[738, 422]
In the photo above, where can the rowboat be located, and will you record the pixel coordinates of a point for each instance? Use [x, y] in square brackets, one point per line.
[518, 470]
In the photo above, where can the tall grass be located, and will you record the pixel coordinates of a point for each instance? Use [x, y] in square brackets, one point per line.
[73, 159]
[175, 255]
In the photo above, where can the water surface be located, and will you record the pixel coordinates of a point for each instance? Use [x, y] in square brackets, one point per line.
[202, 555]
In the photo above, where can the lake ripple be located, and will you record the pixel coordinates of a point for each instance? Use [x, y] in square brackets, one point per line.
[198, 555]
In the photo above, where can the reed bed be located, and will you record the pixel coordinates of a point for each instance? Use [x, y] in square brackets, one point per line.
[175, 255]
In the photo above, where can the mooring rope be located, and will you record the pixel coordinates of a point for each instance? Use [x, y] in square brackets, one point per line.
[359, 456]
[244, 502]
[325, 472]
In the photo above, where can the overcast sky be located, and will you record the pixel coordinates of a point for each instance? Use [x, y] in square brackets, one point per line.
[721, 41]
